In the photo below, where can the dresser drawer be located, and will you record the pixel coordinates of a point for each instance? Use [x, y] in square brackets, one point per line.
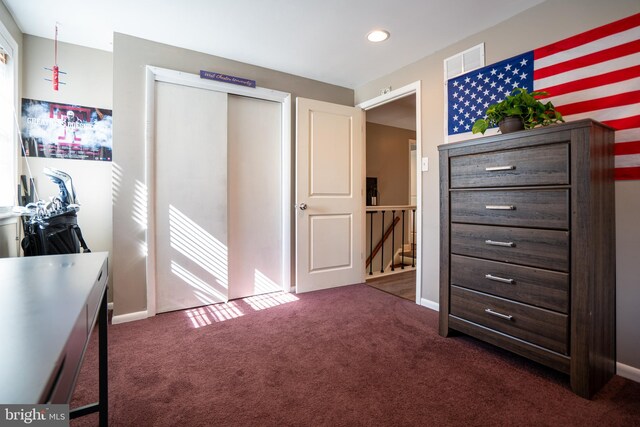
[542, 165]
[536, 325]
[534, 286]
[547, 249]
[525, 208]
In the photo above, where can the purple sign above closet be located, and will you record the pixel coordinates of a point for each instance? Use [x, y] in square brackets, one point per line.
[227, 79]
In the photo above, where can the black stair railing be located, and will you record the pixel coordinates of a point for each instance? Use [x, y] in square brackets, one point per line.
[382, 246]
[374, 251]
[369, 263]
[402, 252]
[393, 243]
[390, 232]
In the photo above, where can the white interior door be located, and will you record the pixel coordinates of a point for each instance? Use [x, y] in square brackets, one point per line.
[190, 196]
[329, 195]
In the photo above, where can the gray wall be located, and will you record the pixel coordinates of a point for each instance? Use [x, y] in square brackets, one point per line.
[388, 160]
[130, 56]
[546, 23]
[88, 82]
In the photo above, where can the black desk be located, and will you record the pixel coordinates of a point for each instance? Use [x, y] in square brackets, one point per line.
[48, 308]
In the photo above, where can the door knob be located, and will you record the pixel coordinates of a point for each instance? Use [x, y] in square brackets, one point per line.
[303, 206]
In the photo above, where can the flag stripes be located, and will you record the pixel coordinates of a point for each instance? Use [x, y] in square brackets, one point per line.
[589, 36]
[596, 75]
[593, 75]
[625, 123]
[627, 173]
[625, 98]
[591, 59]
[627, 148]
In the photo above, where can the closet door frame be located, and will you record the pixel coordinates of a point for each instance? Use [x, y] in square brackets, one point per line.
[157, 74]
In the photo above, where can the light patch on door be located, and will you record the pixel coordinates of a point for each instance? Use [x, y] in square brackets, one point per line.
[199, 246]
[330, 242]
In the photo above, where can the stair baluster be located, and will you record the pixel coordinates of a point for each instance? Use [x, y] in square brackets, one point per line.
[371, 243]
[393, 243]
[382, 248]
[402, 263]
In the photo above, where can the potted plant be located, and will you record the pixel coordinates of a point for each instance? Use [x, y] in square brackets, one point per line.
[519, 110]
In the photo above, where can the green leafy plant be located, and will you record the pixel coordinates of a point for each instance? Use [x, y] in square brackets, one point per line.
[523, 104]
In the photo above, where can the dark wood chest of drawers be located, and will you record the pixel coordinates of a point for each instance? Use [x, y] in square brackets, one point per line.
[527, 252]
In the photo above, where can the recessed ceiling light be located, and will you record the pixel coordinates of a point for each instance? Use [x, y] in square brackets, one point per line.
[376, 36]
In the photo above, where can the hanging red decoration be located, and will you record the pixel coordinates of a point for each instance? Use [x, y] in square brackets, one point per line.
[55, 70]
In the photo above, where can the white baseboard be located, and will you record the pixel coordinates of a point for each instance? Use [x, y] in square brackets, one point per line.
[628, 372]
[129, 317]
[109, 306]
[430, 304]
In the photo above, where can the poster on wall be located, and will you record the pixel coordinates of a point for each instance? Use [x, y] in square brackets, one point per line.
[66, 131]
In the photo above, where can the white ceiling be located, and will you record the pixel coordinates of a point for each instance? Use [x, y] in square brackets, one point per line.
[322, 40]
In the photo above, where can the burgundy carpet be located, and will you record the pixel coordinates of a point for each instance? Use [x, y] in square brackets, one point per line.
[351, 356]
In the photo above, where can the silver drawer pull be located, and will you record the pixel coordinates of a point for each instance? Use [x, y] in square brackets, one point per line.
[498, 279]
[499, 168]
[505, 244]
[500, 207]
[500, 315]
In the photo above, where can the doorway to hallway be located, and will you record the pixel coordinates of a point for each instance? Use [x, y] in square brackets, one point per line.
[392, 196]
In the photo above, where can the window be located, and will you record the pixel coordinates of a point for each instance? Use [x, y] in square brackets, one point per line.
[8, 151]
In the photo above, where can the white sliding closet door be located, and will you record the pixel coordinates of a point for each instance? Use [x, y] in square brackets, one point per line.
[255, 195]
[191, 197]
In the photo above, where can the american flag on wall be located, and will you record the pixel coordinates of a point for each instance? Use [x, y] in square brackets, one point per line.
[595, 74]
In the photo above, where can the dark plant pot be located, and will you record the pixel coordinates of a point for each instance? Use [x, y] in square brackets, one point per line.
[511, 124]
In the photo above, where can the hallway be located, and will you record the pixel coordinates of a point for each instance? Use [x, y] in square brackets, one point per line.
[402, 285]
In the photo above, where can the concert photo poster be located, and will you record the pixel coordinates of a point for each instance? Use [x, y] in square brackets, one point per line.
[66, 131]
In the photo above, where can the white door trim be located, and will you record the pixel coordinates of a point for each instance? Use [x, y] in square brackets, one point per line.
[156, 74]
[13, 50]
[412, 88]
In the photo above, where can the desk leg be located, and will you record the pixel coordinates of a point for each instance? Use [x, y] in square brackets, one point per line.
[103, 378]
[102, 406]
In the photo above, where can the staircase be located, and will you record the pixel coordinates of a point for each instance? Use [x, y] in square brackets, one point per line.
[405, 256]
[397, 226]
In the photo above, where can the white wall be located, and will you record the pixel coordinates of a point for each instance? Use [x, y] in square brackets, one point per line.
[546, 23]
[89, 81]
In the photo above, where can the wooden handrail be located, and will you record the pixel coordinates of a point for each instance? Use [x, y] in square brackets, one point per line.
[382, 240]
